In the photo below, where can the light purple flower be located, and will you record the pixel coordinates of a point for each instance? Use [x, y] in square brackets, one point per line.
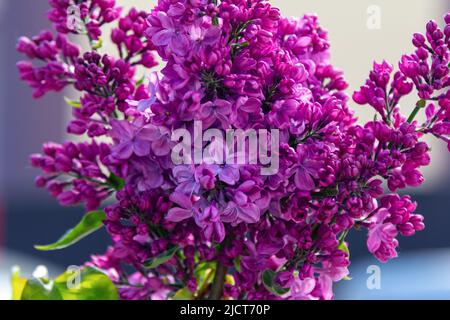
[171, 36]
[307, 170]
[145, 174]
[381, 240]
[185, 210]
[302, 289]
[162, 143]
[206, 176]
[145, 104]
[282, 112]
[184, 176]
[218, 110]
[132, 138]
[329, 274]
[240, 209]
[203, 36]
[209, 220]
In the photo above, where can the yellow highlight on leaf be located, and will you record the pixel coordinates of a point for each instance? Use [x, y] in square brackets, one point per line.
[229, 279]
[18, 283]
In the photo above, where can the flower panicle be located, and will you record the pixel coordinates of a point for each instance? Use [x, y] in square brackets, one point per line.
[240, 65]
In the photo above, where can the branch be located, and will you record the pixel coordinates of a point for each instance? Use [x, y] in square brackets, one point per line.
[219, 282]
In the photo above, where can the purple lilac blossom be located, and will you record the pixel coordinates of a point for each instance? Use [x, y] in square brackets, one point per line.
[235, 64]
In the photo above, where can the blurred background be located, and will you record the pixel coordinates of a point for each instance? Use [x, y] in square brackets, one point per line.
[360, 31]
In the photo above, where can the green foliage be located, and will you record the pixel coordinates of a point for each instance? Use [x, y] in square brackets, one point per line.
[17, 283]
[183, 294]
[90, 223]
[162, 258]
[343, 247]
[72, 103]
[116, 182]
[86, 284]
[269, 281]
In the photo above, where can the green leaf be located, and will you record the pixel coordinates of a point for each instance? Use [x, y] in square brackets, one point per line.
[116, 182]
[229, 279]
[97, 44]
[35, 289]
[140, 82]
[203, 267]
[72, 103]
[183, 294]
[268, 278]
[343, 246]
[93, 285]
[162, 258]
[17, 283]
[204, 273]
[237, 264]
[85, 284]
[91, 222]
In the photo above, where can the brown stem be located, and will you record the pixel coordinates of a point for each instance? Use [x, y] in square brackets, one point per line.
[219, 282]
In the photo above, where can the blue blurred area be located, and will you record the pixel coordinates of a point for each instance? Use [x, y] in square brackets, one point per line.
[422, 274]
[30, 216]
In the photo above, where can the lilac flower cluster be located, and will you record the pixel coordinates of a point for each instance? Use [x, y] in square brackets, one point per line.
[90, 14]
[236, 64]
[73, 172]
[55, 73]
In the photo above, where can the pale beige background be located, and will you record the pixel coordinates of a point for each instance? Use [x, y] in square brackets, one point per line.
[354, 45]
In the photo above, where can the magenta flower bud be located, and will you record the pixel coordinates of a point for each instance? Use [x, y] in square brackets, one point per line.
[96, 130]
[148, 60]
[447, 31]
[36, 160]
[70, 149]
[133, 14]
[406, 229]
[414, 178]
[409, 67]
[441, 129]
[25, 67]
[110, 15]
[118, 36]
[55, 188]
[40, 182]
[63, 163]
[437, 35]
[447, 18]
[77, 127]
[27, 47]
[68, 198]
[359, 98]
[418, 40]
[112, 213]
[444, 103]
[417, 221]
[431, 26]
[133, 44]
[422, 53]
[125, 24]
